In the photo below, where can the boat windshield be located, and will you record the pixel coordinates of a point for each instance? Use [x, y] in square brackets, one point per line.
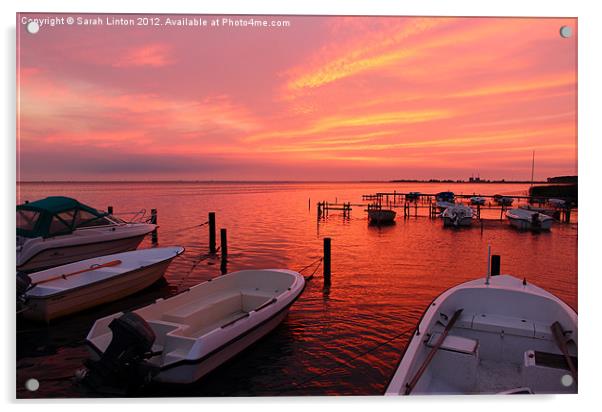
[56, 216]
[27, 219]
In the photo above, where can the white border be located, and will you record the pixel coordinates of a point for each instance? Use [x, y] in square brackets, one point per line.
[590, 69]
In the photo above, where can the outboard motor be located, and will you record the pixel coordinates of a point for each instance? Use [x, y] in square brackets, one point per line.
[535, 221]
[23, 285]
[123, 366]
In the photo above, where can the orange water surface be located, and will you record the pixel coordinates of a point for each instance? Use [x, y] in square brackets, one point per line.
[346, 340]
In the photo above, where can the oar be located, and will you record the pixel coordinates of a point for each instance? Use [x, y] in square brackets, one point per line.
[91, 268]
[561, 343]
[410, 385]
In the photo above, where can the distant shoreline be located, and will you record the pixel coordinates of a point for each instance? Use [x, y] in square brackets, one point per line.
[282, 181]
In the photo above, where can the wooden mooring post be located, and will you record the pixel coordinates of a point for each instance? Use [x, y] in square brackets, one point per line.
[110, 210]
[154, 235]
[224, 250]
[495, 265]
[326, 262]
[212, 232]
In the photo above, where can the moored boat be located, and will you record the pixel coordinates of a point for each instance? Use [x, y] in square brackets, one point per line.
[443, 205]
[59, 230]
[477, 200]
[413, 196]
[503, 200]
[498, 335]
[378, 215]
[524, 219]
[457, 215]
[71, 288]
[181, 339]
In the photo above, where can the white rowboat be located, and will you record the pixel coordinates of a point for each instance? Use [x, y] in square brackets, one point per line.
[196, 331]
[524, 219]
[71, 288]
[503, 337]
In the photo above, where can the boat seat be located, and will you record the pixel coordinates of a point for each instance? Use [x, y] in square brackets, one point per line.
[503, 324]
[186, 313]
[455, 344]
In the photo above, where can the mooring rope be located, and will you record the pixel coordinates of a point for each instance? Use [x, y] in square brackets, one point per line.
[194, 265]
[181, 229]
[298, 386]
[318, 261]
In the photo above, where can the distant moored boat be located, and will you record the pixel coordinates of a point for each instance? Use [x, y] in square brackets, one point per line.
[529, 220]
[457, 215]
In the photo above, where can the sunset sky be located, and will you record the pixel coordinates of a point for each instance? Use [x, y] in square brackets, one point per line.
[328, 98]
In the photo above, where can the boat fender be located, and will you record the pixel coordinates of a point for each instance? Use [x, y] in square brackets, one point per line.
[123, 364]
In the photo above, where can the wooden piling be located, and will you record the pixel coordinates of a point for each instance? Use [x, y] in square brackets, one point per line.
[110, 210]
[154, 235]
[567, 215]
[212, 232]
[326, 262]
[495, 265]
[223, 237]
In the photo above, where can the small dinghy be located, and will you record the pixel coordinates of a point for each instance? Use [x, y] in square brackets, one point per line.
[491, 336]
[379, 216]
[524, 219]
[181, 339]
[71, 288]
[457, 215]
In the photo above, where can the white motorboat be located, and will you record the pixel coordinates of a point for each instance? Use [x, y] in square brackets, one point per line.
[524, 219]
[500, 336]
[442, 205]
[59, 230]
[192, 333]
[477, 200]
[553, 213]
[379, 216]
[457, 215]
[71, 288]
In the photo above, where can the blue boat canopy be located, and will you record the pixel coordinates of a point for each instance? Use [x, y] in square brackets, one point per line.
[56, 215]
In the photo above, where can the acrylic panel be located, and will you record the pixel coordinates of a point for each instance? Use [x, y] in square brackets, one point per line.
[289, 205]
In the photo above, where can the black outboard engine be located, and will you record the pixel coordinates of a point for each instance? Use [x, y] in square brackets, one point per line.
[123, 366]
[536, 221]
[23, 285]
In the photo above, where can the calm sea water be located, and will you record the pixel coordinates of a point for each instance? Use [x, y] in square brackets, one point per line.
[338, 341]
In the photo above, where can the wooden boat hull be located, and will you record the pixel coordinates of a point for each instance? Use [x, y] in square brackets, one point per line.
[45, 310]
[52, 302]
[497, 345]
[61, 251]
[203, 327]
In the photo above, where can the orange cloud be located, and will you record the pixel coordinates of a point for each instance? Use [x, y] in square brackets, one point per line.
[154, 55]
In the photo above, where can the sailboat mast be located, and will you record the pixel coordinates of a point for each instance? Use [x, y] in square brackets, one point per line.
[532, 167]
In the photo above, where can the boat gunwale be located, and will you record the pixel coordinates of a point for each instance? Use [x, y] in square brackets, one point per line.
[75, 245]
[470, 284]
[96, 282]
